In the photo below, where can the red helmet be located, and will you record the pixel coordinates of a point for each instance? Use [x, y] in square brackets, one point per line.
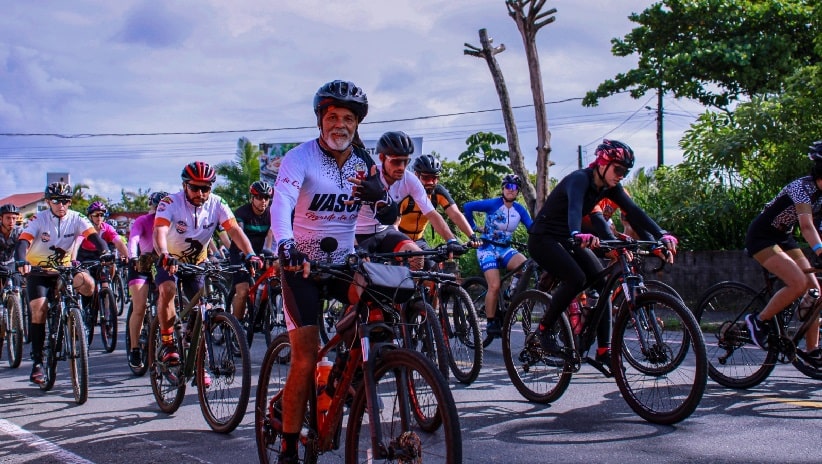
[614, 151]
[198, 171]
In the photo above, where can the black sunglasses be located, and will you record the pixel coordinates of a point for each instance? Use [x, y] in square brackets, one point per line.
[621, 171]
[262, 197]
[60, 201]
[199, 188]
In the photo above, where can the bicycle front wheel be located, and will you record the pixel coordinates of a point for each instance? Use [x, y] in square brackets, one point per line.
[24, 300]
[663, 375]
[539, 377]
[108, 319]
[118, 288]
[733, 359]
[461, 333]
[477, 288]
[77, 354]
[223, 374]
[405, 382]
[167, 382]
[424, 334]
[52, 346]
[14, 331]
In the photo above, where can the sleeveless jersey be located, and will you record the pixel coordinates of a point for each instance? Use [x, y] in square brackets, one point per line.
[46, 233]
[191, 227]
[408, 186]
[311, 185]
[412, 220]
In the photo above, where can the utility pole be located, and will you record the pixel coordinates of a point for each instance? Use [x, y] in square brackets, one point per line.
[660, 154]
[579, 156]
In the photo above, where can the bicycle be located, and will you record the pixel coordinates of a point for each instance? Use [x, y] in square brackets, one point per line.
[103, 308]
[221, 371]
[264, 303]
[658, 356]
[401, 409]
[527, 276]
[65, 333]
[119, 287]
[148, 317]
[733, 359]
[26, 311]
[11, 319]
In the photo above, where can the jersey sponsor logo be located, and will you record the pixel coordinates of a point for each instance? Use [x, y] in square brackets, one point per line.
[163, 204]
[181, 227]
[286, 181]
[332, 202]
[45, 237]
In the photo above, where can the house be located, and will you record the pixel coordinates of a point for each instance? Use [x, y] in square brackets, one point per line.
[29, 203]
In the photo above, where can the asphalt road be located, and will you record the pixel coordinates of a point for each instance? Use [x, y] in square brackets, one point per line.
[779, 421]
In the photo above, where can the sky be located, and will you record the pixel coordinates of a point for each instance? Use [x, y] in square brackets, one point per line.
[121, 95]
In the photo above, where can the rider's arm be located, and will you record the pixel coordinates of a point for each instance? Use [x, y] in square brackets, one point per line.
[161, 228]
[286, 190]
[239, 238]
[454, 213]
[97, 241]
[600, 227]
[439, 225]
[21, 249]
[638, 218]
[524, 215]
[804, 215]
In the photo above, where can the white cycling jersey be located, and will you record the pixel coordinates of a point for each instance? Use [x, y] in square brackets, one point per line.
[47, 232]
[409, 185]
[311, 185]
[192, 227]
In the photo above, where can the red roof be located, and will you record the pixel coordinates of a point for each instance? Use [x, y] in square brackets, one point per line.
[22, 199]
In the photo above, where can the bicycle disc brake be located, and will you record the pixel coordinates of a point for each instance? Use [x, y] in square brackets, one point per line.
[786, 348]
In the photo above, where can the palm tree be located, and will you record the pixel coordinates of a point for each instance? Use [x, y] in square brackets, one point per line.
[239, 174]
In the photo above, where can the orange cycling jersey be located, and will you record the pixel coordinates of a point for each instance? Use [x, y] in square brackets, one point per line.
[412, 221]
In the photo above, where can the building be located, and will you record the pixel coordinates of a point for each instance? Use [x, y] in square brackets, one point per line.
[29, 203]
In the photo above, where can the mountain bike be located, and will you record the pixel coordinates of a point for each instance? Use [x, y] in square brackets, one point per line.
[26, 311]
[264, 304]
[103, 307]
[221, 371]
[65, 333]
[733, 359]
[148, 317]
[512, 283]
[11, 319]
[401, 409]
[658, 356]
[119, 287]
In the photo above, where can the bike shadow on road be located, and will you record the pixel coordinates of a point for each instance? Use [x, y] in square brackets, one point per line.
[779, 396]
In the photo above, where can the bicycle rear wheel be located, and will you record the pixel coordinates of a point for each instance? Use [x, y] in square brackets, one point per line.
[537, 376]
[224, 402]
[663, 379]
[461, 333]
[733, 359]
[118, 288]
[792, 324]
[14, 331]
[167, 382]
[477, 288]
[77, 354]
[407, 386]
[108, 319]
[423, 333]
[26, 311]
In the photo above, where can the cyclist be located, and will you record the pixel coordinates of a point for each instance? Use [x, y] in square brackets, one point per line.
[97, 212]
[9, 235]
[502, 216]
[183, 225]
[560, 219]
[141, 250]
[254, 218]
[317, 181]
[770, 241]
[47, 234]
[395, 149]
[412, 220]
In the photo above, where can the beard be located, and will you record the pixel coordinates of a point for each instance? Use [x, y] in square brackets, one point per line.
[338, 139]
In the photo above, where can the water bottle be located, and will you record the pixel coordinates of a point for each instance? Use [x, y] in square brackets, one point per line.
[509, 292]
[806, 305]
[323, 400]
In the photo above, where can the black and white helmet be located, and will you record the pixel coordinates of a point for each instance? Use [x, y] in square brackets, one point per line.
[395, 144]
[815, 151]
[427, 164]
[344, 94]
[58, 190]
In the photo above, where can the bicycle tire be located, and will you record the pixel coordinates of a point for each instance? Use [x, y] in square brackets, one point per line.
[267, 403]
[537, 377]
[14, 331]
[396, 370]
[77, 354]
[90, 320]
[423, 334]
[461, 333]
[107, 305]
[334, 309]
[26, 311]
[273, 316]
[669, 385]
[120, 292]
[52, 345]
[477, 287]
[733, 360]
[168, 393]
[791, 323]
[224, 402]
[142, 343]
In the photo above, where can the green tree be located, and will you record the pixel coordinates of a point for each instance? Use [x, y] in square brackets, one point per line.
[713, 51]
[132, 201]
[482, 163]
[239, 174]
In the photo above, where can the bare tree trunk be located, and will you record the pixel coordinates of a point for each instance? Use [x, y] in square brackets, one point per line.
[514, 153]
[529, 24]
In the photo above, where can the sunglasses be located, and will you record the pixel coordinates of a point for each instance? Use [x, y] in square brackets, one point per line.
[262, 197]
[199, 188]
[429, 177]
[60, 201]
[398, 161]
[511, 186]
[621, 171]
[98, 215]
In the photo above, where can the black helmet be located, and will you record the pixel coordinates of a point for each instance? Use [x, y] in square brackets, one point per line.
[58, 190]
[395, 144]
[614, 151]
[198, 171]
[154, 198]
[815, 151]
[9, 208]
[344, 94]
[427, 164]
[261, 187]
[511, 179]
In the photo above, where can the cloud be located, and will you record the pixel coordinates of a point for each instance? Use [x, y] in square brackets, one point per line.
[154, 24]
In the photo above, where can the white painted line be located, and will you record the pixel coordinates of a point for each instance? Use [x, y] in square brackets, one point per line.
[40, 444]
